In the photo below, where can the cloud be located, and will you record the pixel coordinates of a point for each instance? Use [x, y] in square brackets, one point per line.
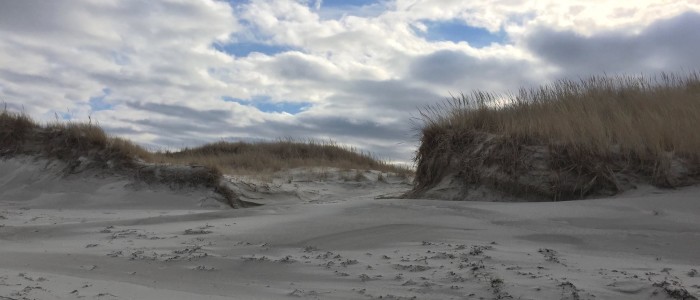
[360, 71]
[391, 97]
[669, 44]
[298, 66]
[443, 67]
[185, 113]
[451, 69]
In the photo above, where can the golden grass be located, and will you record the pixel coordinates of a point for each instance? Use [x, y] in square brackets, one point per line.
[642, 115]
[597, 127]
[268, 157]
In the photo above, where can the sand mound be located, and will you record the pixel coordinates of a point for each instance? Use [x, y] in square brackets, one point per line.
[84, 148]
[31, 182]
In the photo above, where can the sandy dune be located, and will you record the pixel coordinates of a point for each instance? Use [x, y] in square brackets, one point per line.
[85, 237]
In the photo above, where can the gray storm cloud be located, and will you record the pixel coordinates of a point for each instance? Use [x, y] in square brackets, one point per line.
[670, 44]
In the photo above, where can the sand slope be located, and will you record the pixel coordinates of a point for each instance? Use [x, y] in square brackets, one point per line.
[102, 238]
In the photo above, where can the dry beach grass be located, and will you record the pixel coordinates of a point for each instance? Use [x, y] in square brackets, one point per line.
[266, 157]
[594, 130]
[20, 134]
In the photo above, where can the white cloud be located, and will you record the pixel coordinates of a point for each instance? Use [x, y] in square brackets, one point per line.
[363, 69]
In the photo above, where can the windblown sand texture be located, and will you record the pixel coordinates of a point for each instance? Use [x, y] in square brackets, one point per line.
[326, 235]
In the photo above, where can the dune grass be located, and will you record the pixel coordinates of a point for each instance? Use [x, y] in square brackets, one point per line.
[637, 119]
[79, 144]
[68, 139]
[20, 134]
[269, 157]
[643, 115]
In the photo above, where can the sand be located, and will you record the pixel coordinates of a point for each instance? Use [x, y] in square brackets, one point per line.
[327, 236]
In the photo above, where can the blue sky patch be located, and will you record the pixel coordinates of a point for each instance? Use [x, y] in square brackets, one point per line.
[457, 31]
[98, 103]
[65, 116]
[288, 107]
[264, 104]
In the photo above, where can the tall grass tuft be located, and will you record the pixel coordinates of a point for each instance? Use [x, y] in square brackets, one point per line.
[14, 128]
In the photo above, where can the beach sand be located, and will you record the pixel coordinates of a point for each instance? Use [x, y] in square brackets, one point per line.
[101, 237]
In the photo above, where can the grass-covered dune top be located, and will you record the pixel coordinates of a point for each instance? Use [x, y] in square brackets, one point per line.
[19, 134]
[267, 157]
[86, 147]
[566, 140]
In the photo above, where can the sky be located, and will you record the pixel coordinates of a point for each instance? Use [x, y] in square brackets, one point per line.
[179, 73]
